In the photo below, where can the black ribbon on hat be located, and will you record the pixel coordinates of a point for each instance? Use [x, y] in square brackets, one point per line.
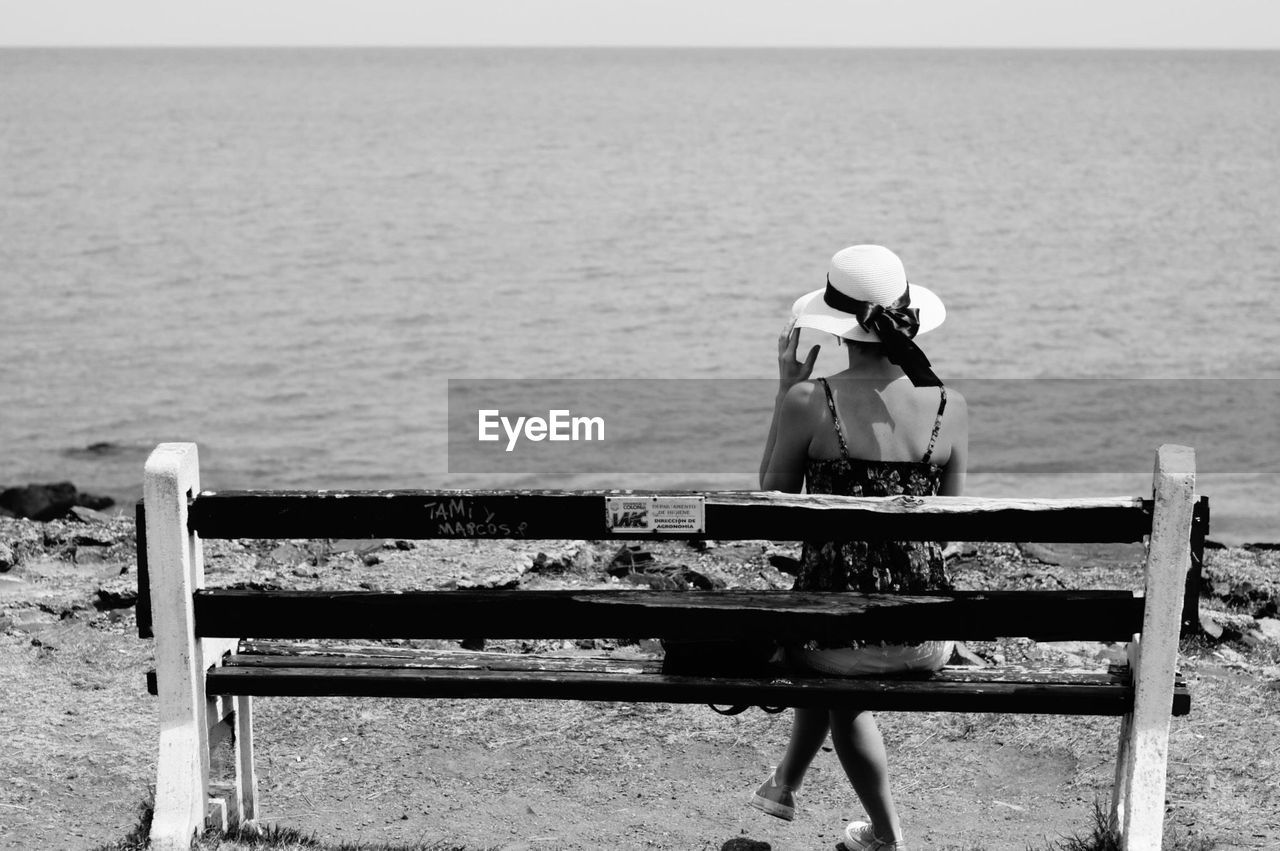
[895, 324]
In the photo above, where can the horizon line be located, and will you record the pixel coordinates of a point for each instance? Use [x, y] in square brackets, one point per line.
[607, 46]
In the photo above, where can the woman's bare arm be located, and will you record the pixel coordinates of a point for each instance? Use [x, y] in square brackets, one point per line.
[953, 475]
[791, 373]
[788, 449]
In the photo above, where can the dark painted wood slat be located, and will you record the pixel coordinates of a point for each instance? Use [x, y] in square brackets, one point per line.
[1191, 591]
[730, 515]
[780, 615]
[886, 695]
[445, 659]
[567, 665]
[270, 654]
[143, 607]
[1118, 674]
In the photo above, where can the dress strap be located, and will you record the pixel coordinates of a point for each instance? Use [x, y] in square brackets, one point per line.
[937, 425]
[835, 418]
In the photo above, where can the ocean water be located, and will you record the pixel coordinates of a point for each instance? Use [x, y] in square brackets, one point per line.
[284, 255]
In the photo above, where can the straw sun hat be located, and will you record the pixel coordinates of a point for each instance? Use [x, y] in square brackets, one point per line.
[862, 276]
[867, 298]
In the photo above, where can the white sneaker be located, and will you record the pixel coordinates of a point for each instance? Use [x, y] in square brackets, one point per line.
[775, 799]
[861, 836]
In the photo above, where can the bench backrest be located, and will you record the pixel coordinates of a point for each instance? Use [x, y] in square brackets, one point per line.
[633, 516]
[667, 515]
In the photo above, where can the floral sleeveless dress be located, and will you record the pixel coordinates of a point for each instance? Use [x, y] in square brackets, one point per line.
[868, 567]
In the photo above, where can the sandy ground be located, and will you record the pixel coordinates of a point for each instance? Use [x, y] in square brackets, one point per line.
[80, 730]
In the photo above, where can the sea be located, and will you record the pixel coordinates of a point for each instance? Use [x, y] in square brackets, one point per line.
[287, 255]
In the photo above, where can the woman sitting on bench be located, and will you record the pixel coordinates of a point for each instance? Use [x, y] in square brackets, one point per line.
[883, 427]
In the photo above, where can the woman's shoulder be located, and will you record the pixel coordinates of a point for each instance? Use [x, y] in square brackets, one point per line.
[957, 405]
[802, 393]
[929, 398]
[804, 404]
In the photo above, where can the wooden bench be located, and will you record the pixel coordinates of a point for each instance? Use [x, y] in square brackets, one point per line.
[216, 649]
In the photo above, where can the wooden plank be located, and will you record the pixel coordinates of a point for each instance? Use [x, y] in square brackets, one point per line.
[273, 654]
[1191, 594]
[142, 609]
[1168, 560]
[730, 515]
[894, 695]
[781, 615]
[268, 654]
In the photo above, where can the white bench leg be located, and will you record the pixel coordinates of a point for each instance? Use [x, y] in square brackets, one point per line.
[1124, 752]
[172, 476]
[1145, 737]
[246, 775]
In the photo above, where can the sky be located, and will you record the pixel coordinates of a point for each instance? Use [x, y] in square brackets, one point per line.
[875, 23]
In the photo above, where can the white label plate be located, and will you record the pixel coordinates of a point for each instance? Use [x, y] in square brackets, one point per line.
[679, 513]
[642, 514]
[628, 513]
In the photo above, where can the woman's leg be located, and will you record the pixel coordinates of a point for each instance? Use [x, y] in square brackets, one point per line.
[861, 750]
[808, 732]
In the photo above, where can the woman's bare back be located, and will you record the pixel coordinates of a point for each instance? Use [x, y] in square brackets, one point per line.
[883, 420]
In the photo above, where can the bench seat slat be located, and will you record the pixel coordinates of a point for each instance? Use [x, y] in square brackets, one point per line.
[729, 515]
[782, 615]
[265, 654]
[896, 695]
[268, 654]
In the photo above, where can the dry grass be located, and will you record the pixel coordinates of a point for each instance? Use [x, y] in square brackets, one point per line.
[1099, 837]
[268, 838]
[286, 839]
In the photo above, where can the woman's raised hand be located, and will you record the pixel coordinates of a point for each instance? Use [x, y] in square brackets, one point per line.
[790, 370]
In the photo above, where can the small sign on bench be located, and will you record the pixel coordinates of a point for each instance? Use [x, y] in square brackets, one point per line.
[668, 514]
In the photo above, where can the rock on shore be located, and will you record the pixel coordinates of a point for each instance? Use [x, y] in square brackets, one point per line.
[48, 501]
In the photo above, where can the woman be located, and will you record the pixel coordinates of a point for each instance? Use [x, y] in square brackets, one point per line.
[884, 426]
